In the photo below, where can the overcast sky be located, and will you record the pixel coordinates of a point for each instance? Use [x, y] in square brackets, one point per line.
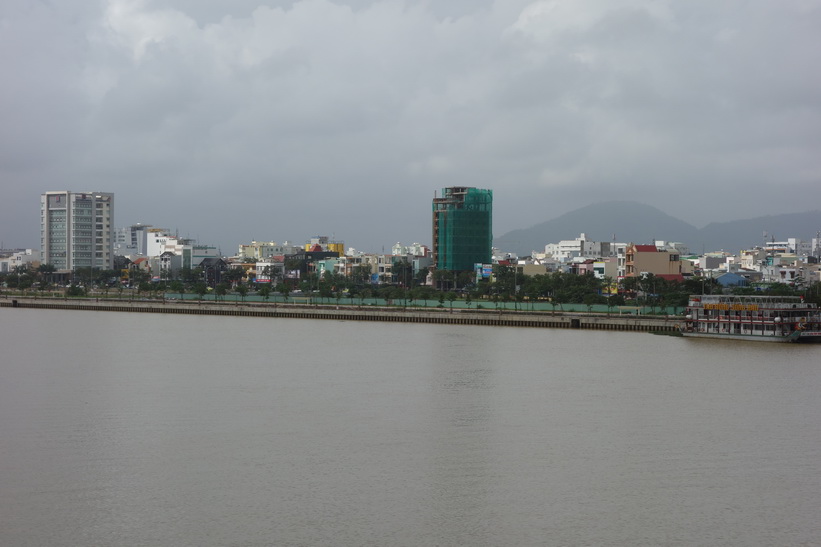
[235, 120]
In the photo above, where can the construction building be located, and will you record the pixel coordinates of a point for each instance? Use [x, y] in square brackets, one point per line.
[462, 228]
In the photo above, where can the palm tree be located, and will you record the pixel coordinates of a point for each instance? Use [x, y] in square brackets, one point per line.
[46, 271]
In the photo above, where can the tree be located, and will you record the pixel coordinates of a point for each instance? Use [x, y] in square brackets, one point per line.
[188, 275]
[402, 272]
[463, 279]
[137, 276]
[557, 300]
[178, 287]
[421, 276]
[589, 300]
[362, 274]
[505, 278]
[75, 290]
[265, 291]
[233, 275]
[363, 294]
[221, 290]
[325, 285]
[422, 293]
[44, 286]
[200, 289]
[46, 271]
[242, 289]
[144, 286]
[442, 279]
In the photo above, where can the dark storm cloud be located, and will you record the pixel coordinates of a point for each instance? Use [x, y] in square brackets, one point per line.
[287, 119]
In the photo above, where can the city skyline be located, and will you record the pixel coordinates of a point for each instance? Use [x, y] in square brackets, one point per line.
[246, 120]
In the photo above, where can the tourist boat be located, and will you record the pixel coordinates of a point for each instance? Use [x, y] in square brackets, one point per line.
[758, 318]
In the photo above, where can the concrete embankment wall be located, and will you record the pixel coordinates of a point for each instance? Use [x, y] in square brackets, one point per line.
[354, 313]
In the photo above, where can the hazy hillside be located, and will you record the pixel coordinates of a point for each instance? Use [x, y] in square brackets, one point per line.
[638, 223]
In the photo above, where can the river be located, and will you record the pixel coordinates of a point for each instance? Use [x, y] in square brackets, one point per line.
[157, 430]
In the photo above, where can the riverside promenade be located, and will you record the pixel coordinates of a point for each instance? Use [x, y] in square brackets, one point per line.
[348, 312]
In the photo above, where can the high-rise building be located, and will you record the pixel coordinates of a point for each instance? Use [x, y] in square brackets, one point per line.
[76, 229]
[462, 228]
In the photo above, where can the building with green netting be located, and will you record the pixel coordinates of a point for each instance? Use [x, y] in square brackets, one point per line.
[462, 228]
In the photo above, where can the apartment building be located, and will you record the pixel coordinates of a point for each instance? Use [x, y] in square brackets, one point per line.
[76, 229]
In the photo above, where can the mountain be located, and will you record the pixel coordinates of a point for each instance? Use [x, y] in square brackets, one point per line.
[632, 222]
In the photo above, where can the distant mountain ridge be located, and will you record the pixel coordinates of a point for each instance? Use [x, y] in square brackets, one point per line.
[633, 222]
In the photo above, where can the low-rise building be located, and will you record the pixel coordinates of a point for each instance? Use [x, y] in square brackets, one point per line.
[581, 247]
[10, 260]
[663, 262]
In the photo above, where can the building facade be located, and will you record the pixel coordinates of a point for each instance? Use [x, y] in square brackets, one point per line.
[76, 230]
[462, 228]
[581, 247]
[649, 259]
[131, 240]
[10, 260]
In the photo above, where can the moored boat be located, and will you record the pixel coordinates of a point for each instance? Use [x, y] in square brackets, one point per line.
[754, 318]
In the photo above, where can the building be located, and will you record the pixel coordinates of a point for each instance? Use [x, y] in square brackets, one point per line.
[76, 230]
[581, 247]
[325, 244]
[261, 251]
[414, 249]
[649, 259]
[131, 240]
[605, 268]
[462, 228]
[19, 258]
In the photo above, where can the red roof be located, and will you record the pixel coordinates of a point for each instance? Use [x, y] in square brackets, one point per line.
[671, 277]
[646, 249]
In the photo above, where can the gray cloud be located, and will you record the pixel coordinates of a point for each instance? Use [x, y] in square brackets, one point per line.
[240, 120]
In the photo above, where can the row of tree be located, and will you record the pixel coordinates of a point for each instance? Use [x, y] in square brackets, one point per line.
[507, 285]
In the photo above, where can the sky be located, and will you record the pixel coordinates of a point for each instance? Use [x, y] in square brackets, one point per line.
[237, 120]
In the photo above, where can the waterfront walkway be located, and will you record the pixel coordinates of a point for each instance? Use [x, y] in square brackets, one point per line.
[342, 312]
